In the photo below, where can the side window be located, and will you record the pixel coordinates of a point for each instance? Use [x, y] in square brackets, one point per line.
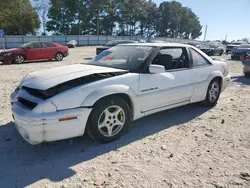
[35, 45]
[48, 45]
[174, 52]
[172, 58]
[198, 59]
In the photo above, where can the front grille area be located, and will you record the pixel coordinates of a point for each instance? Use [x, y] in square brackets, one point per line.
[28, 104]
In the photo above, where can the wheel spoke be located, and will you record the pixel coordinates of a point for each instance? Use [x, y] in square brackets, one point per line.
[117, 112]
[110, 130]
[103, 124]
[119, 122]
[107, 114]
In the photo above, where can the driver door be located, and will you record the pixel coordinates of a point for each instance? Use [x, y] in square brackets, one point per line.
[34, 51]
[166, 90]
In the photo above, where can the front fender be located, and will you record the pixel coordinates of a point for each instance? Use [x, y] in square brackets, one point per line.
[106, 91]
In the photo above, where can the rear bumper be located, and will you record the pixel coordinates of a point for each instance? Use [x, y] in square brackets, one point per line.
[46, 127]
[65, 54]
[246, 69]
[226, 80]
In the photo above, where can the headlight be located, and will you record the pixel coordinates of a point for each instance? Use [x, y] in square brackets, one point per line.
[7, 54]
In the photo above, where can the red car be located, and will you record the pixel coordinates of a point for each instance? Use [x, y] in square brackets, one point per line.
[34, 51]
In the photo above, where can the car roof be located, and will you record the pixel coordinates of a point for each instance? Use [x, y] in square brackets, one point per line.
[156, 44]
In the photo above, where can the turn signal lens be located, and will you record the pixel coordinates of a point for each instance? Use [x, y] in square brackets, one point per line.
[67, 118]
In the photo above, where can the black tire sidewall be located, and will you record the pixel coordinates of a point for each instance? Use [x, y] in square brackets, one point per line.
[207, 100]
[98, 109]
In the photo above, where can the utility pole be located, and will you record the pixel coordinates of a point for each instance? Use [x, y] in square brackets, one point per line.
[205, 33]
[226, 38]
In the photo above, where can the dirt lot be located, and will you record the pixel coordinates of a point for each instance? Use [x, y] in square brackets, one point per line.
[191, 146]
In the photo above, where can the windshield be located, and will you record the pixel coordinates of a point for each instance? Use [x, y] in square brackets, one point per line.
[123, 57]
[25, 45]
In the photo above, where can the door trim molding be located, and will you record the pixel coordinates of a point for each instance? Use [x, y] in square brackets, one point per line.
[158, 108]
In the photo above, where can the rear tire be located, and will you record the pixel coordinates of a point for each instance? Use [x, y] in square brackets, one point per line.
[109, 119]
[59, 56]
[213, 93]
[19, 59]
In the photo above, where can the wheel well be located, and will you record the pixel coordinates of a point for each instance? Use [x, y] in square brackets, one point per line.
[219, 79]
[17, 55]
[125, 97]
[21, 55]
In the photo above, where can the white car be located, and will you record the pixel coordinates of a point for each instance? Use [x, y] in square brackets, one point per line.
[245, 59]
[121, 84]
[72, 44]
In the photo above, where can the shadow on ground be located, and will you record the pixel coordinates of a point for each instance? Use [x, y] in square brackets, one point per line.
[22, 164]
[241, 79]
[88, 58]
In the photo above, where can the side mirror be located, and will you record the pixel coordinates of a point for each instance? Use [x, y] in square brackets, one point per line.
[156, 69]
[28, 47]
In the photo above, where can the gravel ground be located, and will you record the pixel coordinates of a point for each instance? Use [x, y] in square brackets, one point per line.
[191, 146]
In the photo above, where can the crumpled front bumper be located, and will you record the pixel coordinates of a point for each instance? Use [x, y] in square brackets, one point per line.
[6, 59]
[45, 127]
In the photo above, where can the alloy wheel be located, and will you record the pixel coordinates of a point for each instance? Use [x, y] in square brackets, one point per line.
[19, 59]
[214, 92]
[111, 121]
[59, 56]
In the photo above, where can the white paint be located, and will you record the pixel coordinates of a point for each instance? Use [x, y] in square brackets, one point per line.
[149, 93]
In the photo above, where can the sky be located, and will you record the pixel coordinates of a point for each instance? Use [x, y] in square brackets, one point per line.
[222, 17]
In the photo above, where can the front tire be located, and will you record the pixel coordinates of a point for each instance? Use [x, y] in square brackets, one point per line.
[109, 119]
[19, 59]
[59, 56]
[213, 93]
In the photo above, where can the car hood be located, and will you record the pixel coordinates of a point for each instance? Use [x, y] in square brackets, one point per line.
[46, 79]
[12, 50]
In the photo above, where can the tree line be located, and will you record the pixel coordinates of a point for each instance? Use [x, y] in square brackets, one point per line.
[101, 17]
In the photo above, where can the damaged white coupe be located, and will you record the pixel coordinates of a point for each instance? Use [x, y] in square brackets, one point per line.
[121, 84]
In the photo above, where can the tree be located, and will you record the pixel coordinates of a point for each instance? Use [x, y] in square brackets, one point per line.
[62, 15]
[224, 42]
[177, 21]
[147, 18]
[42, 7]
[245, 39]
[18, 17]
